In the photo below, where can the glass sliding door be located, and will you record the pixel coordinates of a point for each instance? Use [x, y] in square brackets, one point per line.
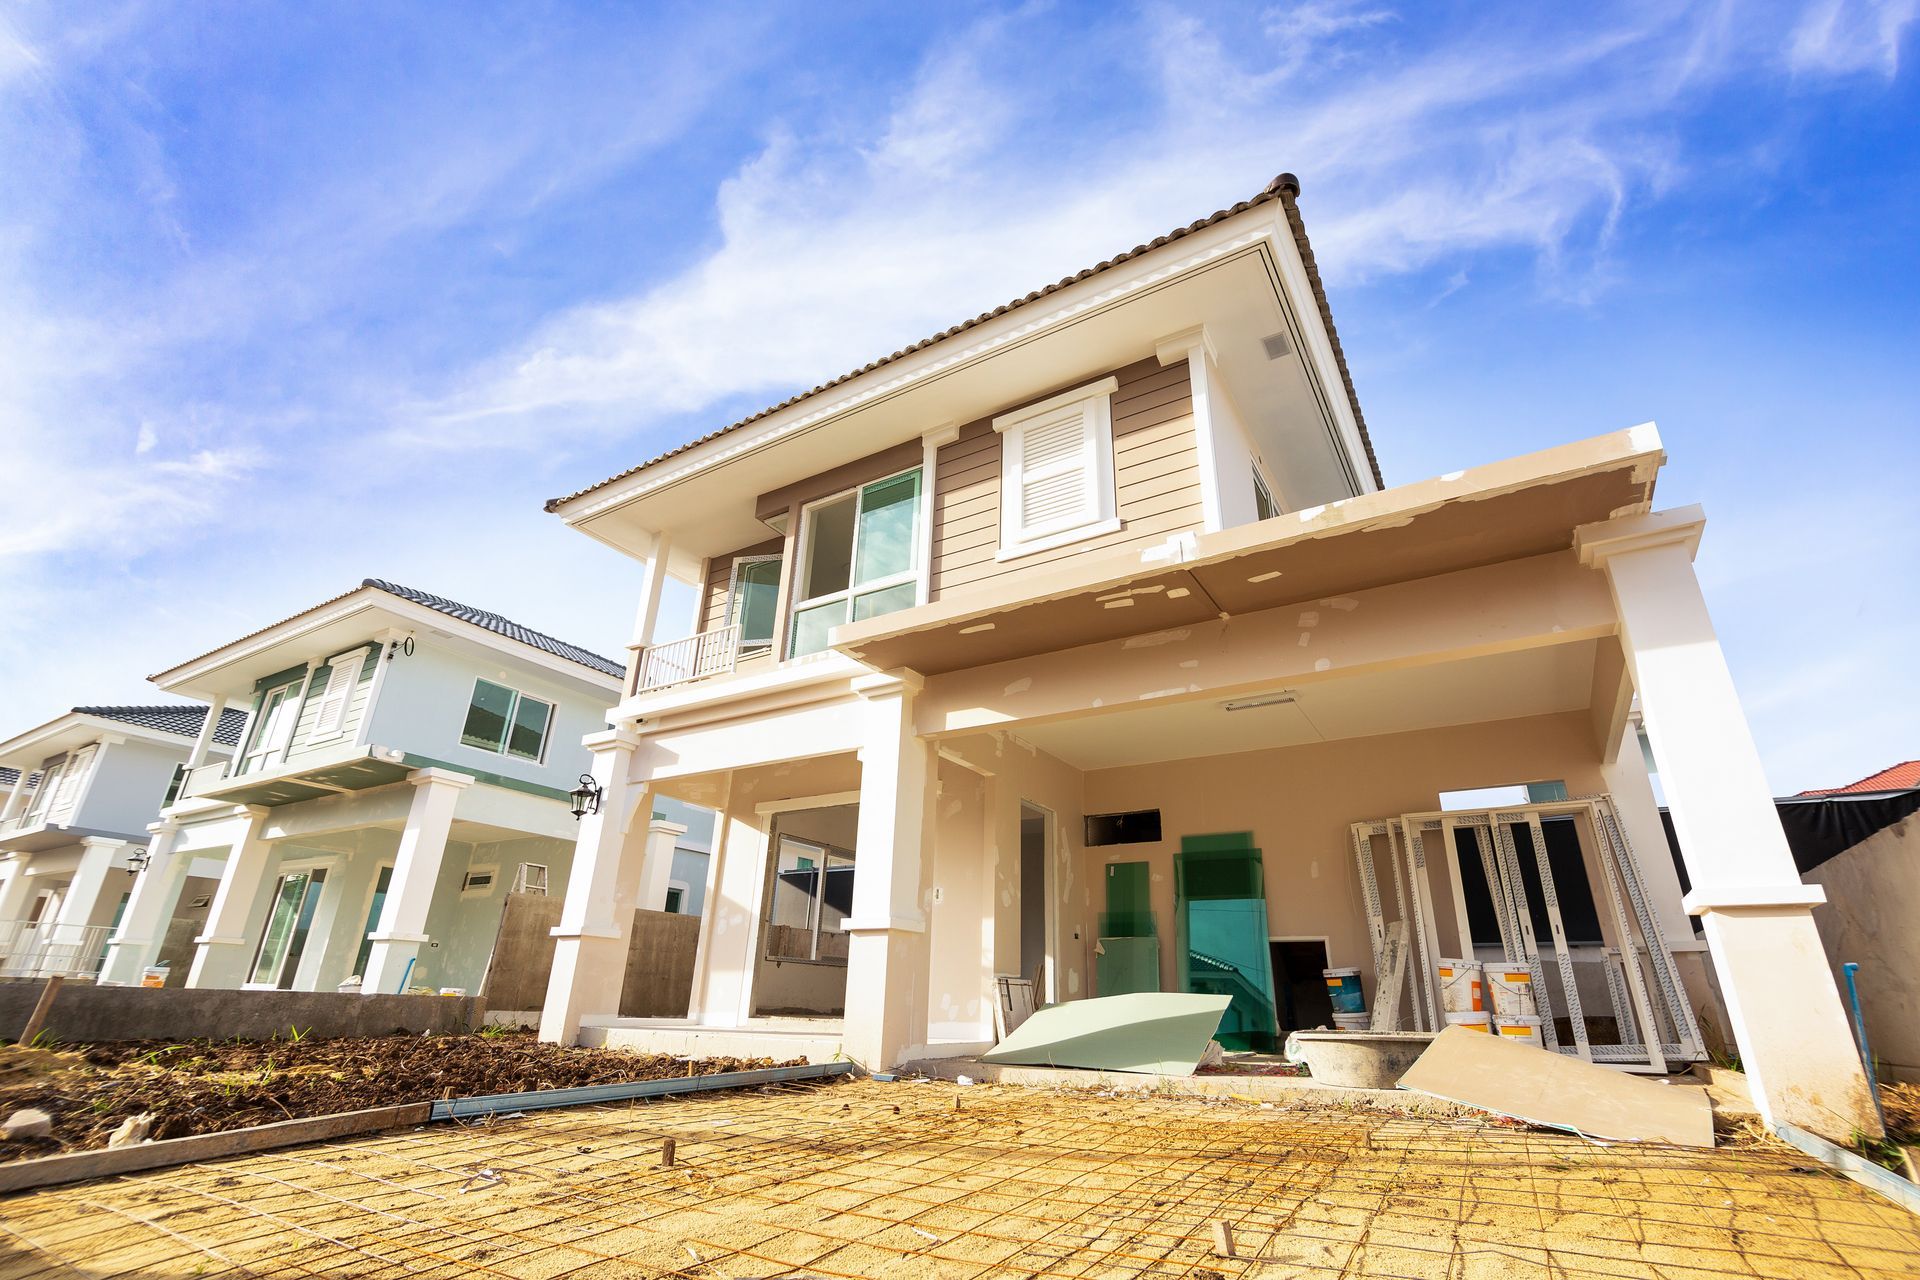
[295, 899]
[380, 888]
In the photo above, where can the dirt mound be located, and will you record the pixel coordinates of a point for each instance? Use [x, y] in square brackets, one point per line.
[205, 1086]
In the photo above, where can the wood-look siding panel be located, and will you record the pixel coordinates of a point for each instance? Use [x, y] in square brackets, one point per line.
[1156, 475]
[302, 742]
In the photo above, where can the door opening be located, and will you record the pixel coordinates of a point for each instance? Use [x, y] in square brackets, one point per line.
[1299, 986]
[1033, 901]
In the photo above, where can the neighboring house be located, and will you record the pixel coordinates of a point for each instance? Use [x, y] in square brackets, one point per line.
[406, 762]
[692, 850]
[79, 792]
[1093, 618]
[1860, 845]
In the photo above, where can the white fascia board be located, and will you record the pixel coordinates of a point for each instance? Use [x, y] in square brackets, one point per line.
[390, 611]
[1097, 293]
[33, 743]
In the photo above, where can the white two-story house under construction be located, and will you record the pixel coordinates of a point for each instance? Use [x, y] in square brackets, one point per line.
[1085, 640]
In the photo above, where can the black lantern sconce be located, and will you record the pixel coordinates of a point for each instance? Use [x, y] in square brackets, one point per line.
[138, 859]
[586, 797]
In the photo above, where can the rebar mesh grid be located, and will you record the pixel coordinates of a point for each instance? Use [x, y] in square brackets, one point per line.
[899, 1181]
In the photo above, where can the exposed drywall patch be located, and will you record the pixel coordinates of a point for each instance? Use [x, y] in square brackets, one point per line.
[1323, 664]
[1154, 639]
[1345, 604]
[1021, 685]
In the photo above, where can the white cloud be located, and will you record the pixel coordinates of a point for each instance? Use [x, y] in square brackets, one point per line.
[1839, 37]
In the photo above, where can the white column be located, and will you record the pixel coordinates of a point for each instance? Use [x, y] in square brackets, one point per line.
[221, 953]
[603, 889]
[416, 870]
[16, 795]
[16, 889]
[143, 925]
[887, 950]
[1794, 1040]
[89, 881]
[203, 741]
[648, 614]
[663, 838]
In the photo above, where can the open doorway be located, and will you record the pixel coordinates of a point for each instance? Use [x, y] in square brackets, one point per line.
[1034, 827]
[802, 965]
[1300, 983]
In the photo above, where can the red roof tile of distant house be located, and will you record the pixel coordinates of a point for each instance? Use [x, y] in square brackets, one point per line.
[1900, 777]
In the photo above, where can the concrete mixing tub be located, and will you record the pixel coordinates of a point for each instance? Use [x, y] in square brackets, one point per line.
[1361, 1059]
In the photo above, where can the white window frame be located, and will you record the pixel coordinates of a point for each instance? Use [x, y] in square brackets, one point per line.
[803, 548]
[1263, 490]
[491, 870]
[513, 709]
[1093, 404]
[260, 750]
[685, 891]
[338, 695]
[50, 774]
[733, 599]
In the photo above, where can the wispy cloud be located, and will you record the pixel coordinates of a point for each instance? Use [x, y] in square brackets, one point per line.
[1838, 37]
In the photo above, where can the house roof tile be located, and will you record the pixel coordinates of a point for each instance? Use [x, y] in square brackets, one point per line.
[1285, 188]
[501, 626]
[179, 718]
[1904, 776]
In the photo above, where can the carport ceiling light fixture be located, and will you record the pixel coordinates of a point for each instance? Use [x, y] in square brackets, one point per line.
[1282, 698]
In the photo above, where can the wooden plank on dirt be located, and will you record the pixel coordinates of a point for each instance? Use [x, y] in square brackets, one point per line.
[82, 1166]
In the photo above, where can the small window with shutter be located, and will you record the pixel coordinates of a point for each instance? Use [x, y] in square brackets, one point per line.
[343, 676]
[1056, 471]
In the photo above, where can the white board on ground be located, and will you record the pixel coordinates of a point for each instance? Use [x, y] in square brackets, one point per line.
[1158, 1032]
[1558, 1092]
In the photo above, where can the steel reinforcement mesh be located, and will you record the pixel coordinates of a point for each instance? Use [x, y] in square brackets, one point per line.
[907, 1180]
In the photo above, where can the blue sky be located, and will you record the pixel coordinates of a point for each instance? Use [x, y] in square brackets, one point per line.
[294, 295]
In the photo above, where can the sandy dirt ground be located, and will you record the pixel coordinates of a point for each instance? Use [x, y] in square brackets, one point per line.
[905, 1180]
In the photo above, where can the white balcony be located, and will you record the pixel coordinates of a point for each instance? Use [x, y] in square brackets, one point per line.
[695, 657]
[42, 949]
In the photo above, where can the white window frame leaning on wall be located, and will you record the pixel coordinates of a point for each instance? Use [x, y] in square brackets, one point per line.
[511, 720]
[1057, 458]
[849, 596]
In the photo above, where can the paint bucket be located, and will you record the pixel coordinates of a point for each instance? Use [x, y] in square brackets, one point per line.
[154, 975]
[1461, 986]
[1353, 1021]
[1471, 1020]
[1510, 989]
[351, 987]
[1343, 989]
[1524, 1030]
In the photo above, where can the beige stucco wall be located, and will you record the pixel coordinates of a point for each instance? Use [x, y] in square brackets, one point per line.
[1873, 904]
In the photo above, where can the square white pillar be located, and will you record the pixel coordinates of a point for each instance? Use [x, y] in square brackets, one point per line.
[603, 889]
[1795, 1043]
[886, 1002]
[416, 870]
[143, 925]
[663, 838]
[221, 953]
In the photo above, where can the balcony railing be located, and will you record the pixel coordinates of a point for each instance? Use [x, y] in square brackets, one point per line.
[42, 949]
[207, 775]
[660, 666]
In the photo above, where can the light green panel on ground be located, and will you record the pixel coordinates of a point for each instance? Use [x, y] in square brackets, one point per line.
[1160, 1032]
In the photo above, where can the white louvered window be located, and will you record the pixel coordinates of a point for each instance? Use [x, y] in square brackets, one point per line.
[343, 677]
[1056, 471]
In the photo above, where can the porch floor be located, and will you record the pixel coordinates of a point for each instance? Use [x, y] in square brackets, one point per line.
[915, 1181]
[815, 1039]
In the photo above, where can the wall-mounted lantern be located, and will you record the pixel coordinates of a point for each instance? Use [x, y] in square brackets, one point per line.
[586, 797]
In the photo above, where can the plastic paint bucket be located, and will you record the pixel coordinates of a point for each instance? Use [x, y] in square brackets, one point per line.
[1525, 1030]
[1343, 989]
[1461, 986]
[1470, 1020]
[154, 975]
[1353, 1021]
[1511, 990]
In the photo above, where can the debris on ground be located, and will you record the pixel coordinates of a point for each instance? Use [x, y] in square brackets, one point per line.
[85, 1094]
[28, 1122]
[1901, 1105]
[1539, 1087]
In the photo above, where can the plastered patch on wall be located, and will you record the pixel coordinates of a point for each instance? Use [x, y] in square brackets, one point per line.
[1305, 639]
[1021, 685]
[1190, 664]
[1073, 982]
[1309, 618]
[1154, 639]
[1323, 664]
[1345, 604]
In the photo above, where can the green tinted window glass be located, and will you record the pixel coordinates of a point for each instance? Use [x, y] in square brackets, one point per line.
[886, 600]
[886, 528]
[530, 719]
[487, 716]
[365, 952]
[756, 595]
[281, 922]
[829, 554]
[810, 626]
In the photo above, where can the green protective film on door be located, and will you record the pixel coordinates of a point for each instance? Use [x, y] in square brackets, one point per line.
[1220, 905]
[1127, 955]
